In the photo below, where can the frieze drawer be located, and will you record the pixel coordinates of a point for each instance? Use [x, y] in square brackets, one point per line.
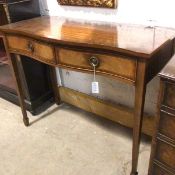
[39, 50]
[116, 66]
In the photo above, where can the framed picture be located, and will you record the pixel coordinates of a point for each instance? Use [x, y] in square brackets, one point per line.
[89, 3]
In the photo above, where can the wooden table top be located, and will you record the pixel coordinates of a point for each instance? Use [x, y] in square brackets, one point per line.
[137, 40]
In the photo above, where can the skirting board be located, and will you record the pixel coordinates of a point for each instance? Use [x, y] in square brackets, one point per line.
[117, 113]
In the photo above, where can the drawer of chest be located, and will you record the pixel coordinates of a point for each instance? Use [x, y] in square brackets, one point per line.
[117, 66]
[27, 46]
[169, 95]
[165, 153]
[167, 124]
[160, 171]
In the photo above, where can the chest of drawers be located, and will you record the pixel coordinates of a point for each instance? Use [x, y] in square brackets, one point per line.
[162, 160]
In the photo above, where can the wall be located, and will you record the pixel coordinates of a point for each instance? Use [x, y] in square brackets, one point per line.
[147, 12]
[128, 11]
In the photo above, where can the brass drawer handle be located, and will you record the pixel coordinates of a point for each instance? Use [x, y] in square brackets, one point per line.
[30, 47]
[94, 61]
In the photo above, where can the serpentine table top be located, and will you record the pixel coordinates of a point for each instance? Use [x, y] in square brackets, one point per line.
[128, 38]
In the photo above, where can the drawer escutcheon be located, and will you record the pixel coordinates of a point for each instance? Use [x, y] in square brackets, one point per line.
[30, 46]
[94, 61]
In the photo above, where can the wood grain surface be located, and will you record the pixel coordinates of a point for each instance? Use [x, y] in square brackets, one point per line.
[135, 40]
[118, 113]
[115, 66]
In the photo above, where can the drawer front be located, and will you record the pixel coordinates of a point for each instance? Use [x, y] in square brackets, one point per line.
[169, 95]
[165, 153]
[159, 171]
[167, 125]
[29, 47]
[120, 67]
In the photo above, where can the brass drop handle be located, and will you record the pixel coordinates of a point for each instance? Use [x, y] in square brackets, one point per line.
[94, 61]
[30, 47]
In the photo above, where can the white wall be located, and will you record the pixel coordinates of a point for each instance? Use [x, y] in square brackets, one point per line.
[148, 12]
[129, 11]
